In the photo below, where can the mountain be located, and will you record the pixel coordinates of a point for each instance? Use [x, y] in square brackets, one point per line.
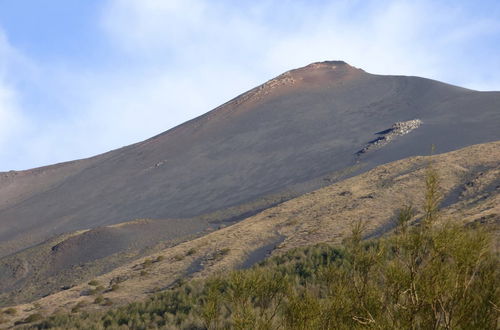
[303, 125]
[469, 178]
[303, 130]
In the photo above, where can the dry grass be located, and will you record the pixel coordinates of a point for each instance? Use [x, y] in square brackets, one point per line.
[325, 215]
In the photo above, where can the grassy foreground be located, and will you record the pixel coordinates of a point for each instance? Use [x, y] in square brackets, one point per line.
[429, 274]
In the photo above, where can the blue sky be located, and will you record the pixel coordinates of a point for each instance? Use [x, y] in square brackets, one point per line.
[81, 77]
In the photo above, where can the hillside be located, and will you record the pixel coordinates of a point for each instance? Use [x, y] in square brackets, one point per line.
[353, 285]
[470, 185]
[306, 128]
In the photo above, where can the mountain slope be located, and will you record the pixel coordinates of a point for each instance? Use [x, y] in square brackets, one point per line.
[470, 183]
[279, 139]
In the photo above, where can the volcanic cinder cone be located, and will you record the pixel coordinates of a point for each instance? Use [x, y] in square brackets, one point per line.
[276, 141]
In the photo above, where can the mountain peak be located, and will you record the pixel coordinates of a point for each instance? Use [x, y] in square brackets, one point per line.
[323, 72]
[316, 74]
[324, 64]
[328, 66]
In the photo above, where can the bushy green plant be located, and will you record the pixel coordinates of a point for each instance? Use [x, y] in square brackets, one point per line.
[33, 318]
[178, 257]
[99, 299]
[10, 311]
[93, 283]
[147, 263]
[97, 290]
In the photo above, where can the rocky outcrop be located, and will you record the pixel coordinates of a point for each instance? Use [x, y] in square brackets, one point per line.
[397, 129]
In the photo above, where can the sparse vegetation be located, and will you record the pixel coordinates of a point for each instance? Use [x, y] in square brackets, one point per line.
[33, 318]
[99, 299]
[10, 311]
[191, 251]
[93, 283]
[97, 290]
[221, 253]
[178, 257]
[429, 274]
[78, 306]
[443, 277]
[147, 263]
[118, 279]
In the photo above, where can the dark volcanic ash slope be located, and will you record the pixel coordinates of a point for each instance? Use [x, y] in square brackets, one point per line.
[300, 126]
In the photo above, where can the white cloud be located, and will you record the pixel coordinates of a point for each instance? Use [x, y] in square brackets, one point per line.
[12, 121]
[388, 37]
[152, 24]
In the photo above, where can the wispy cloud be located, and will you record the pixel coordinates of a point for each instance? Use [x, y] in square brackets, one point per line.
[169, 61]
[12, 120]
[10, 117]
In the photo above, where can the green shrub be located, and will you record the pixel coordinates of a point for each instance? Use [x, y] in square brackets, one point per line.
[147, 263]
[98, 289]
[93, 283]
[221, 253]
[178, 257]
[78, 306]
[99, 299]
[10, 311]
[33, 318]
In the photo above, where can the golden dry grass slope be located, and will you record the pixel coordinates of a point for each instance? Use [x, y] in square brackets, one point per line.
[470, 183]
